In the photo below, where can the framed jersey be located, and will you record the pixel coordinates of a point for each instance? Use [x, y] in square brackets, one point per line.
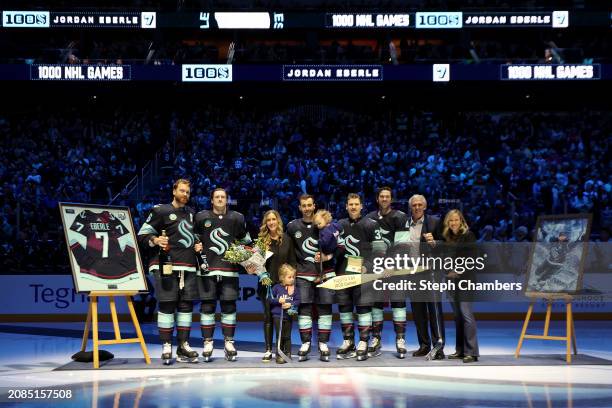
[102, 248]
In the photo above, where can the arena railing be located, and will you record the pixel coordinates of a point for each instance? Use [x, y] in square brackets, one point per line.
[137, 187]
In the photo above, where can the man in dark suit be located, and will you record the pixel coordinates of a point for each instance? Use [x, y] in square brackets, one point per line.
[425, 229]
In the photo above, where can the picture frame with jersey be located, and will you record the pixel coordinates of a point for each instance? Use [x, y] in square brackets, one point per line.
[102, 248]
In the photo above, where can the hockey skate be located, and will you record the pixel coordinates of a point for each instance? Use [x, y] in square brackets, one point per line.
[324, 350]
[167, 353]
[208, 350]
[400, 345]
[346, 350]
[362, 350]
[303, 351]
[185, 354]
[374, 347]
[229, 349]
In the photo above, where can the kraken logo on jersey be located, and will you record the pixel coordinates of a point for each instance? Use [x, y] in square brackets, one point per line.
[349, 244]
[380, 234]
[341, 240]
[220, 245]
[185, 229]
[309, 246]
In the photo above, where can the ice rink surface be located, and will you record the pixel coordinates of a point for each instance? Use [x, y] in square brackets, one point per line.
[30, 353]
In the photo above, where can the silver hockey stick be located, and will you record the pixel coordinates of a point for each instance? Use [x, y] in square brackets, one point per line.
[280, 337]
[440, 343]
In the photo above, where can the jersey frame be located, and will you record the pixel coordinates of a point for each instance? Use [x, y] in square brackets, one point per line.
[83, 282]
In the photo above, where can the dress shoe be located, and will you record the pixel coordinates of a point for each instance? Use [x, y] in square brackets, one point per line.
[455, 356]
[470, 359]
[422, 351]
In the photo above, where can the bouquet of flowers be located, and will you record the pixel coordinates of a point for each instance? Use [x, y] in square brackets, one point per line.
[250, 255]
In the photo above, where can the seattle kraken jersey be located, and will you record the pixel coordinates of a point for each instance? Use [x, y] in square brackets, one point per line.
[178, 223]
[217, 232]
[102, 245]
[356, 239]
[389, 224]
[305, 238]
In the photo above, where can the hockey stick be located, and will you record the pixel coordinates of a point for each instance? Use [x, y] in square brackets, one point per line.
[440, 343]
[280, 337]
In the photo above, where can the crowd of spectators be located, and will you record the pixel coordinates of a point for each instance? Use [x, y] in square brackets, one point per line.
[537, 47]
[502, 169]
[66, 155]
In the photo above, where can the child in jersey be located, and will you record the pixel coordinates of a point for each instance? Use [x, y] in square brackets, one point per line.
[286, 297]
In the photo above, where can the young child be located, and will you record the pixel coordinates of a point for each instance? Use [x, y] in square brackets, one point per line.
[285, 295]
[329, 231]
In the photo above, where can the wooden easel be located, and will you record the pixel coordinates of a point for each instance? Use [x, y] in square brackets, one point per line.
[570, 334]
[92, 322]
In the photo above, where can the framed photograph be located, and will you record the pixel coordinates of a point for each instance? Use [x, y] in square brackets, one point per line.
[556, 263]
[102, 248]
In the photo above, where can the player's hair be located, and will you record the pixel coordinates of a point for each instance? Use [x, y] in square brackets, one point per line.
[326, 215]
[218, 189]
[353, 196]
[284, 270]
[417, 197]
[305, 197]
[181, 181]
[384, 188]
[264, 233]
[446, 231]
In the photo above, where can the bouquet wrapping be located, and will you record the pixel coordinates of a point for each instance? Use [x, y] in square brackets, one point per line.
[250, 255]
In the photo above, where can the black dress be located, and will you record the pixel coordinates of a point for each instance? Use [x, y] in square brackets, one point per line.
[282, 254]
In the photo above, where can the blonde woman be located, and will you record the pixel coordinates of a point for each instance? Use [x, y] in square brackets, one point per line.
[460, 243]
[278, 242]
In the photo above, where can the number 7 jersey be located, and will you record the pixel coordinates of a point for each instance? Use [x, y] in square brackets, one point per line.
[102, 245]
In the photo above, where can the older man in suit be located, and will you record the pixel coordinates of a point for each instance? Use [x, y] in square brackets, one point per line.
[425, 229]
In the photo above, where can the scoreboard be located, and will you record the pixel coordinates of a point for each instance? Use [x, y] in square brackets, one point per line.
[280, 20]
[227, 73]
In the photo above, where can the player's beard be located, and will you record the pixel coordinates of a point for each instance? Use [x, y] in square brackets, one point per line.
[181, 199]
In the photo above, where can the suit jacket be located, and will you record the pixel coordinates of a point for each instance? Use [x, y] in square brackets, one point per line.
[431, 224]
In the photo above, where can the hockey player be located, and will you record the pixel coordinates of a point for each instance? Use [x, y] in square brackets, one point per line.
[175, 292]
[390, 221]
[218, 229]
[358, 236]
[305, 244]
